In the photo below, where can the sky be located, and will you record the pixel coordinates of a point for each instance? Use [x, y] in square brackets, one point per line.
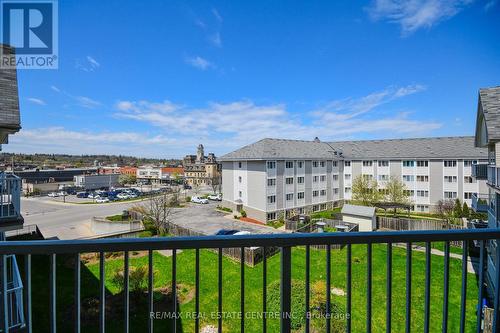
[157, 78]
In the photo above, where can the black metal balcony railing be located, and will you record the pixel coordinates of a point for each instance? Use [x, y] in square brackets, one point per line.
[285, 242]
[479, 171]
[480, 202]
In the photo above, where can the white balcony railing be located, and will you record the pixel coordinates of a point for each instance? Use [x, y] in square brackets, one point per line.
[10, 196]
[14, 295]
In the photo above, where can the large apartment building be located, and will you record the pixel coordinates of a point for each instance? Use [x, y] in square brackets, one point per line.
[275, 176]
[488, 200]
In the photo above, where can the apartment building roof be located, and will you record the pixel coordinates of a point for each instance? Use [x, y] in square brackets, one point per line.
[10, 121]
[489, 104]
[418, 148]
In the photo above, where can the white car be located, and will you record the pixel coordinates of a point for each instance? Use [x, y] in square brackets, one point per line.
[62, 193]
[199, 200]
[93, 196]
[53, 194]
[216, 197]
[101, 200]
[240, 233]
[123, 196]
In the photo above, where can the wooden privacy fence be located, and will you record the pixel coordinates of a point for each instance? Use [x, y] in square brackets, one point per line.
[404, 224]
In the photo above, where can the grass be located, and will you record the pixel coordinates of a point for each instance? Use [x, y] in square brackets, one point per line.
[326, 214]
[117, 218]
[253, 289]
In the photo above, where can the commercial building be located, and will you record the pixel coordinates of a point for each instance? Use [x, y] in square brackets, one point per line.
[128, 170]
[488, 200]
[275, 176]
[201, 170]
[95, 182]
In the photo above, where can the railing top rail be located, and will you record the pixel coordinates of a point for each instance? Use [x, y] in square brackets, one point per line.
[280, 240]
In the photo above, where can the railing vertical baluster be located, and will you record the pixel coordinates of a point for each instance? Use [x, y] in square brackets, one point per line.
[408, 288]
[369, 288]
[427, 287]
[464, 286]
[197, 292]
[126, 292]
[102, 300]
[389, 288]
[77, 288]
[308, 288]
[242, 289]
[27, 293]
[480, 286]
[150, 290]
[328, 287]
[497, 287]
[446, 288]
[5, 306]
[174, 290]
[219, 308]
[349, 287]
[52, 289]
[285, 289]
[264, 290]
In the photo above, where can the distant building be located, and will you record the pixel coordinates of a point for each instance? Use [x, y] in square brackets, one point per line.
[106, 170]
[200, 169]
[128, 170]
[158, 175]
[95, 182]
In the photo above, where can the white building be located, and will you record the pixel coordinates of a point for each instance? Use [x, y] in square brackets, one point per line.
[95, 182]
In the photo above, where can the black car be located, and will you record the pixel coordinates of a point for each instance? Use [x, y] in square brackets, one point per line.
[187, 187]
[226, 232]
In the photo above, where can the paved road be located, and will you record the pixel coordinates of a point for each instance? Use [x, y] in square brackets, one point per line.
[66, 221]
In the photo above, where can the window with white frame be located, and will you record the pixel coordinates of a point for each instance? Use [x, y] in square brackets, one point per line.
[408, 164]
[289, 164]
[300, 195]
[409, 193]
[315, 179]
[271, 199]
[450, 163]
[315, 164]
[300, 180]
[422, 164]
[468, 195]
[289, 196]
[469, 180]
[239, 179]
[383, 163]
[271, 216]
[334, 164]
[368, 177]
[450, 195]
[322, 193]
[335, 178]
[422, 178]
[347, 176]
[315, 193]
[271, 165]
[322, 178]
[239, 165]
[240, 194]
[347, 163]
[271, 182]
[422, 193]
[347, 190]
[335, 190]
[450, 179]
[408, 178]
[289, 180]
[322, 164]
[469, 163]
[383, 177]
[367, 163]
[300, 164]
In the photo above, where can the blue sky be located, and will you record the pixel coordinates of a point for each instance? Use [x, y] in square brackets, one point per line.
[156, 78]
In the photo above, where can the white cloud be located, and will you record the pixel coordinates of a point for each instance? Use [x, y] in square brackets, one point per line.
[215, 39]
[37, 101]
[54, 88]
[199, 62]
[87, 102]
[218, 17]
[89, 64]
[412, 15]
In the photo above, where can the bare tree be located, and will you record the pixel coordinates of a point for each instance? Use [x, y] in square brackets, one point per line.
[445, 209]
[216, 182]
[157, 210]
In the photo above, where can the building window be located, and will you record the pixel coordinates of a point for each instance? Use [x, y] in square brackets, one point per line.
[271, 199]
[289, 197]
[335, 178]
[422, 208]
[409, 164]
[240, 194]
[423, 179]
[450, 164]
[315, 179]
[347, 163]
[423, 164]
[409, 193]
[347, 190]
[239, 179]
[368, 177]
[315, 208]
[450, 195]
[271, 165]
[422, 193]
[322, 164]
[315, 164]
[322, 207]
[468, 163]
[289, 180]
[450, 179]
[289, 165]
[271, 216]
[468, 180]
[334, 164]
[408, 178]
[383, 177]
[347, 176]
[271, 182]
[322, 178]
[367, 163]
[300, 195]
[335, 190]
[300, 164]
[239, 165]
[468, 195]
[322, 193]
[300, 180]
[315, 193]
[383, 163]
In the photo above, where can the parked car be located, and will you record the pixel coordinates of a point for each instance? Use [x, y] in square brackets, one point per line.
[101, 200]
[187, 187]
[62, 193]
[199, 200]
[53, 194]
[215, 197]
[123, 195]
[225, 232]
[240, 233]
[82, 195]
[93, 195]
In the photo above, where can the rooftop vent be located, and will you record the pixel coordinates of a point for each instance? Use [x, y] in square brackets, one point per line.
[316, 139]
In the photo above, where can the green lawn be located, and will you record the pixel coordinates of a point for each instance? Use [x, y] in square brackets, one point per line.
[253, 289]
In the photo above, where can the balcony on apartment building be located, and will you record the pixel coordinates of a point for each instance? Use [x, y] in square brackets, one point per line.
[10, 202]
[479, 171]
[480, 202]
[376, 247]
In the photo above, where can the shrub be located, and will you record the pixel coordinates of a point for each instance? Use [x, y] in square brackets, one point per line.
[243, 213]
[137, 279]
[118, 280]
[225, 209]
[188, 199]
[146, 233]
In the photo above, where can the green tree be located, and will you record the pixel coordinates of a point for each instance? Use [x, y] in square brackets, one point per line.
[125, 179]
[365, 190]
[457, 209]
[396, 191]
[465, 210]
